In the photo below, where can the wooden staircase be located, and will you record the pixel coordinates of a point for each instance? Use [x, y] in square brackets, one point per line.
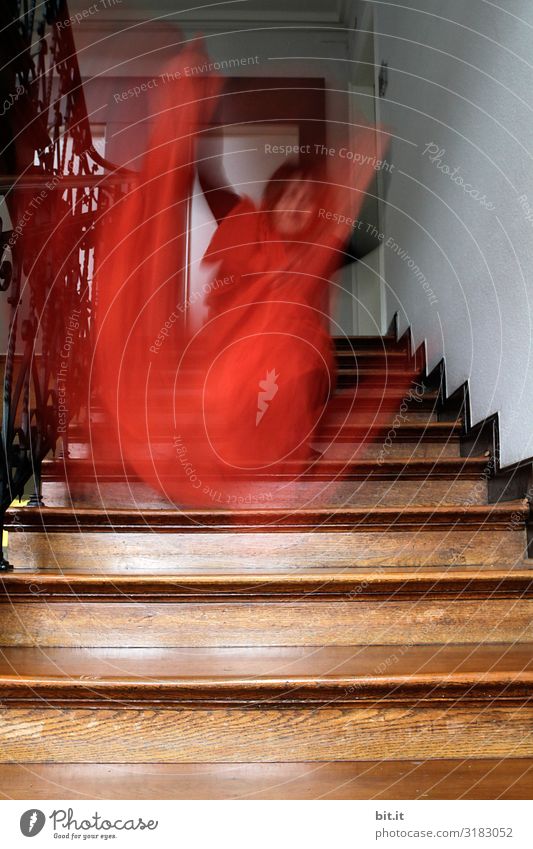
[373, 642]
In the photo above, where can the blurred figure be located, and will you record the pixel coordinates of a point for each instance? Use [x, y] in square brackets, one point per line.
[245, 393]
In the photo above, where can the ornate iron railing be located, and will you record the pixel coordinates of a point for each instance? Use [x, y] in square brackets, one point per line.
[54, 188]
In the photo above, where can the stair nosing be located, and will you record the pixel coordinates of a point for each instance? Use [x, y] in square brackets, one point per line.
[401, 585]
[396, 468]
[268, 690]
[502, 516]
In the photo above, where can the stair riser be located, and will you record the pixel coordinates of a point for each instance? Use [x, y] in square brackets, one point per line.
[371, 493]
[397, 448]
[359, 414]
[269, 551]
[120, 623]
[39, 735]
[383, 357]
[369, 343]
[389, 379]
[396, 399]
[356, 412]
[372, 374]
[346, 448]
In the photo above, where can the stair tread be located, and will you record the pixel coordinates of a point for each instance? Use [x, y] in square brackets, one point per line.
[360, 466]
[472, 778]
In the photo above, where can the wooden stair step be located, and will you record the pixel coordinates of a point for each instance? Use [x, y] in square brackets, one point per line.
[506, 516]
[266, 676]
[346, 449]
[352, 404]
[378, 426]
[369, 374]
[347, 417]
[368, 398]
[386, 342]
[405, 432]
[390, 469]
[416, 425]
[489, 778]
[378, 355]
[365, 342]
[386, 385]
[372, 370]
[111, 493]
[292, 609]
[270, 551]
[359, 359]
[416, 393]
[255, 705]
[381, 403]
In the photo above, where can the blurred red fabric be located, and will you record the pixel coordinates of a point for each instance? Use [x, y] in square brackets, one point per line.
[245, 393]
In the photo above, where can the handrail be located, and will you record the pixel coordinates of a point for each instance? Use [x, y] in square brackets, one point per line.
[47, 254]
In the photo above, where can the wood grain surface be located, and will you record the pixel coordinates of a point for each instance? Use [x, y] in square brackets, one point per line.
[147, 623]
[262, 735]
[272, 551]
[508, 778]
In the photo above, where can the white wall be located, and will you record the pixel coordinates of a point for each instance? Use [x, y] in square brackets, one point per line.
[248, 170]
[362, 280]
[460, 76]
